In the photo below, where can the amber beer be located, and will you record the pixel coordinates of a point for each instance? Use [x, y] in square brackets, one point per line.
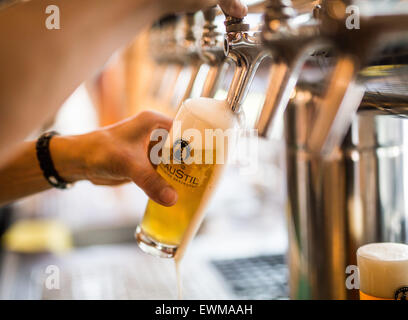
[164, 229]
[383, 269]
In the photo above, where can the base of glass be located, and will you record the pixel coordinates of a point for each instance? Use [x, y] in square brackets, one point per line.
[151, 246]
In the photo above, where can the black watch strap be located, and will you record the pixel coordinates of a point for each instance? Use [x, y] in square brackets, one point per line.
[46, 163]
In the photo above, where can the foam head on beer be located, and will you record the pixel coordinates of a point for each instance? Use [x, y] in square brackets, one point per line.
[193, 157]
[204, 124]
[383, 269]
[204, 113]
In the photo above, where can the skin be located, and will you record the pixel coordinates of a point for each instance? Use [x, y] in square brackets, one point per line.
[40, 68]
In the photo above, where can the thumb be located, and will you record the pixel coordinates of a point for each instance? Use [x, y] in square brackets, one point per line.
[155, 186]
[235, 8]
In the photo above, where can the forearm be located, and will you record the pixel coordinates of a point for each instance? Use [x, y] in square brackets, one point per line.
[113, 155]
[21, 175]
[40, 68]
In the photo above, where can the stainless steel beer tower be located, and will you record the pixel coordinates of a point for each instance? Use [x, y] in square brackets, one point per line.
[335, 205]
[346, 155]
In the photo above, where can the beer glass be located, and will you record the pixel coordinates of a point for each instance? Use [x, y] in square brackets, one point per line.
[383, 269]
[192, 160]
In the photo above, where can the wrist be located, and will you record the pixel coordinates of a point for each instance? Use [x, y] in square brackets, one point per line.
[68, 157]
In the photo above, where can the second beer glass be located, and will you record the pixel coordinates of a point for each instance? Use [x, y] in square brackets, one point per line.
[383, 269]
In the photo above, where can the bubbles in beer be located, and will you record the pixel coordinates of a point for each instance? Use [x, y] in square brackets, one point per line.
[189, 139]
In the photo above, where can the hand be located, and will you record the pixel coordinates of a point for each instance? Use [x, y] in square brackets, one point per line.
[235, 8]
[115, 155]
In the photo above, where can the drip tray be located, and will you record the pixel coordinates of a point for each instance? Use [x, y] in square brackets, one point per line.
[256, 278]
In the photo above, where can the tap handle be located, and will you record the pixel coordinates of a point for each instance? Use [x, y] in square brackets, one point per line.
[189, 27]
[337, 108]
[209, 26]
[233, 24]
[170, 18]
[210, 13]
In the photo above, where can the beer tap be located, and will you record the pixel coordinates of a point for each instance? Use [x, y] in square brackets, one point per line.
[292, 35]
[245, 50]
[163, 45]
[173, 45]
[342, 199]
[188, 52]
[212, 53]
[355, 49]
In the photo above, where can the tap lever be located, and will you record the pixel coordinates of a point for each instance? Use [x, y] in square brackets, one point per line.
[245, 50]
[233, 24]
[212, 52]
[209, 14]
[337, 108]
[189, 28]
[210, 33]
[282, 81]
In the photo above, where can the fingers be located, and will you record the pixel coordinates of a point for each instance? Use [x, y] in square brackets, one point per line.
[155, 186]
[234, 8]
[150, 181]
[156, 119]
[109, 182]
[140, 125]
[148, 121]
[132, 155]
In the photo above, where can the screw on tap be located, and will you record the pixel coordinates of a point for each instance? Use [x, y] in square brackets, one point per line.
[233, 24]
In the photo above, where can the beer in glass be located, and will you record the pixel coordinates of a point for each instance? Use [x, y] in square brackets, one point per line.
[196, 150]
[383, 269]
